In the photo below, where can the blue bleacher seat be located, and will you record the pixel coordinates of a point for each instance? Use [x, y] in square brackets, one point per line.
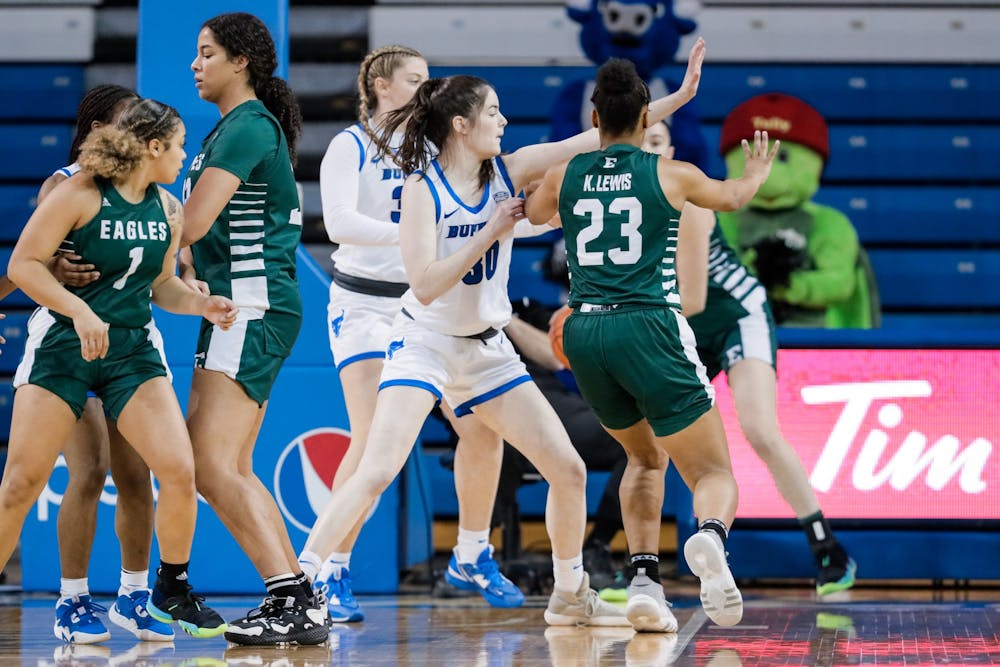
[14, 328]
[840, 92]
[914, 214]
[898, 153]
[527, 279]
[933, 278]
[40, 92]
[18, 299]
[30, 151]
[16, 204]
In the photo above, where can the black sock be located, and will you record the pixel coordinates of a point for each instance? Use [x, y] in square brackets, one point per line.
[717, 527]
[647, 564]
[172, 577]
[287, 586]
[821, 540]
[603, 532]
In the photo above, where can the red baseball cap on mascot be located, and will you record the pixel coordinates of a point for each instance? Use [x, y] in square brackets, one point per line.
[783, 116]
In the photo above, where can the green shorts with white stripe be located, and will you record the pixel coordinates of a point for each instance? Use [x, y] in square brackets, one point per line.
[251, 352]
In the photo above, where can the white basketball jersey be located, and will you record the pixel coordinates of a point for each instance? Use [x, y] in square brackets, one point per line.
[68, 170]
[380, 186]
[479, 300]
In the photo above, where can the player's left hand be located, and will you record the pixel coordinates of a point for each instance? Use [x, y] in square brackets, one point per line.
[220, 311]
[692, 77]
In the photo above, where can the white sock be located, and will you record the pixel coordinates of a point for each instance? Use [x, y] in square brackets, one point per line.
[335, 564]
[133, 581]
[470, 544]
[568, 573]
[73, 588]
[311, 564]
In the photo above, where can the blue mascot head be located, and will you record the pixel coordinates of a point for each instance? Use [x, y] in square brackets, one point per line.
[643, 31]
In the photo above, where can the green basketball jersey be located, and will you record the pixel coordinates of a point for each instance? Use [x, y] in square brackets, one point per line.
[733, 291]
[127, 244]
[621, 233]
[249, 252]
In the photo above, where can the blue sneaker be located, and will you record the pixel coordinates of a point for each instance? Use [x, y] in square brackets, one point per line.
[129, 612]
[484, 576]
[340, 601]
[835, 577]
[77, 621]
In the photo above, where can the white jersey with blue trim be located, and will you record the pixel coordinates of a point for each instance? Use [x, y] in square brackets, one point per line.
[68, 170]
[479, 300]
[380, 187]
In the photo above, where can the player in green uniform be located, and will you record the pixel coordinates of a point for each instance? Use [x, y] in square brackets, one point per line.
[728, 311]
[99, 337]
[243, 218]
[631, 350]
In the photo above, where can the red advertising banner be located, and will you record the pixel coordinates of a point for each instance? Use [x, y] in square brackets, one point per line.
[883, 434]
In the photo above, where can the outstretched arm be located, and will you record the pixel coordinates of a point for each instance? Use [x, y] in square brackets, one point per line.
[530, 162]
[683, 182]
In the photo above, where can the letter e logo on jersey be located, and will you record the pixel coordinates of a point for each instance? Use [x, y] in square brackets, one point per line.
[304, 474]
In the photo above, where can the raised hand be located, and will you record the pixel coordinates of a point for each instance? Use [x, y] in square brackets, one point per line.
[758, 158]
[692, 77]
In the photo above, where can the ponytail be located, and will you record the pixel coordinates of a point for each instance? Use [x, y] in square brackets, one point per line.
[281, 102]
[110, 152]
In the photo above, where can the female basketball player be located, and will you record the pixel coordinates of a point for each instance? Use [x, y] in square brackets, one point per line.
[458, 214]
[631, 350]
[94, 445]
[100, 337]
[731, 319]
[243, 217]
[361, 199]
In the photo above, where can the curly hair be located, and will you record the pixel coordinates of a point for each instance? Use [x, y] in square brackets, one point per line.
[243, 34]
[380, 63]
[429, 116]
[99, 105]
[619, 96]
[115, 151]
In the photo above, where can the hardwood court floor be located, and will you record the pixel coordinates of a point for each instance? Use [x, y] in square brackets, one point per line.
[780, 627]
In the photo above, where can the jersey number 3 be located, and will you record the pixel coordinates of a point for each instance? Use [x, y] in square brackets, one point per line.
[594, 209]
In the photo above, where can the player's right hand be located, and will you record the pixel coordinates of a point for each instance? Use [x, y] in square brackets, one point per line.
[508, 212]
[69, 269]
[93, 333]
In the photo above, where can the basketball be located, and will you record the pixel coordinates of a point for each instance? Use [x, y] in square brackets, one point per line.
[556, 333]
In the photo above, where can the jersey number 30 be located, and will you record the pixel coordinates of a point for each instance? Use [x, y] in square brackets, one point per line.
[594, 209]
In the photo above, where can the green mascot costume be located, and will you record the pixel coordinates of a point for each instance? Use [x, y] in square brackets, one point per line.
[805, 254]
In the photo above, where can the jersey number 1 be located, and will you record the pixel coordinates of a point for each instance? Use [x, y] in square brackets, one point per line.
[136, 255]
[594, 209]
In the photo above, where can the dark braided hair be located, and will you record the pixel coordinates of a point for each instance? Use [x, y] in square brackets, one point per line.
[429, 113]
[98, 105]
[243, 34]
[620, 95]
[380, 63]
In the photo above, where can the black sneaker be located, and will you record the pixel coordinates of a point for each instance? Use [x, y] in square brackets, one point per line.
[280, 622]
[598, 564]
[188, 609]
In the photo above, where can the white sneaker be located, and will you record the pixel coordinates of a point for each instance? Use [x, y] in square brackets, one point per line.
[719, 596]
[585, 607]
[647, 609]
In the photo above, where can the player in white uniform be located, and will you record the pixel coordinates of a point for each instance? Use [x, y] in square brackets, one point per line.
[458, 216]
[361, 207]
